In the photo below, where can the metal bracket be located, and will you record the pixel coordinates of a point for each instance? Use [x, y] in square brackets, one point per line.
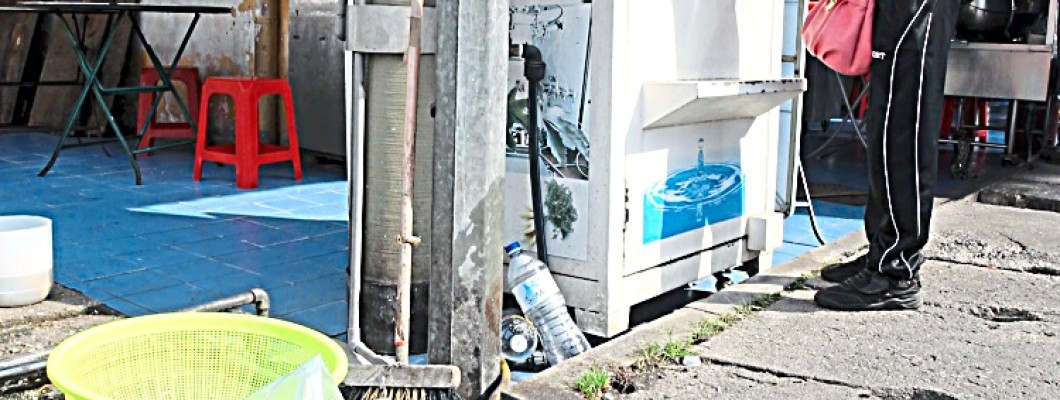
[385, 29]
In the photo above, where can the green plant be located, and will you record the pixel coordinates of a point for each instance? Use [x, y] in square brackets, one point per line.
[730, 319]
[561, 211]
[800, 283]
[763, 301]
[563, 135]
[832, 260]
[708, 327]
[593, 382]
[744, 310]
[649, 356]
[676, 349]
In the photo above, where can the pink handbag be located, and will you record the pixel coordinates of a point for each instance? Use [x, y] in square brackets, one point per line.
[839, 33]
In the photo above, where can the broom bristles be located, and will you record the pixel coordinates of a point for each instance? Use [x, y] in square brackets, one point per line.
[389, 393]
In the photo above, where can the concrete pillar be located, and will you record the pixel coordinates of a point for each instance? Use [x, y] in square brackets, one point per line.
[466, 272]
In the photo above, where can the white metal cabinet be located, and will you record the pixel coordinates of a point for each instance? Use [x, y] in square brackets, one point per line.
[682, 134]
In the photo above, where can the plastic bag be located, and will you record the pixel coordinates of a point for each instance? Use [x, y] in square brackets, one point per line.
[311, 381]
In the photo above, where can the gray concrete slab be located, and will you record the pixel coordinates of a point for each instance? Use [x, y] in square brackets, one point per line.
[557, 382]
[61, 303]
[949, 347]
[1037, 188]
[42, 326]
[35, 337]
[990, 326]
[996, 237]
[726, 382]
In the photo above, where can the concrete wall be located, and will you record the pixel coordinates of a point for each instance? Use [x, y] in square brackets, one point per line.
[16, 30]
[243, 43]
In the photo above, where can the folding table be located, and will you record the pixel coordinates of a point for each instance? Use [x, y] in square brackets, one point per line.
[92, 84]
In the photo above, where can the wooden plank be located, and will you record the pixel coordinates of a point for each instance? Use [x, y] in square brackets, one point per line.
[408, 376]
[16, 32]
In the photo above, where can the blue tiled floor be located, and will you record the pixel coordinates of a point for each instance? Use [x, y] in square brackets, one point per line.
[174, 242]
[844, 164]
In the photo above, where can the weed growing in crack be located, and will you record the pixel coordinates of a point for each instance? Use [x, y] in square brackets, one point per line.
[649, 357]
[800, 283]
[744, 310]
[675, 350]
[832, 261]
[593, 383]
[730, 319]
[707, 328]
[761, 302]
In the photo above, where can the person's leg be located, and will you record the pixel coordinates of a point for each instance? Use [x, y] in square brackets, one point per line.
[911, 38]
[909, 143]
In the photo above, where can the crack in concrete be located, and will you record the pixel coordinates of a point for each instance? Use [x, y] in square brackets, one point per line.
[884, 393]
[1023, 247]
[1033, 270]
[1004, 314]
[781, 374]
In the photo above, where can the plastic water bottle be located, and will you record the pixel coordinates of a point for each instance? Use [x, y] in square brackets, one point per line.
[518, 338]
[542, 302]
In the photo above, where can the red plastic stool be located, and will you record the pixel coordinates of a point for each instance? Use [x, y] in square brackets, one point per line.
[189, 76]
[247, 154]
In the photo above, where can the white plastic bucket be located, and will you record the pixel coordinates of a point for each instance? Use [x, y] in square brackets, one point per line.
[25, 259]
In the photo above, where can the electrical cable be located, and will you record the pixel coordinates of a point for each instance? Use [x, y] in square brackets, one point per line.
[809, 203]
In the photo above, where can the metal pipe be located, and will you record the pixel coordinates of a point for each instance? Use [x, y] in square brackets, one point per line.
[1010, 139]
[45, 83]
[534, 69]
[22, 360]
[36, 362]
[258, 297]
[22, 370]
[974, 144]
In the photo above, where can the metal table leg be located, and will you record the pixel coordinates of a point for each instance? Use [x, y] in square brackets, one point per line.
[93, 85]
[90, 70]
[163, 74]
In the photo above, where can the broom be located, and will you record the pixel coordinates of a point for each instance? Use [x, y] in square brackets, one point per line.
[402, 381]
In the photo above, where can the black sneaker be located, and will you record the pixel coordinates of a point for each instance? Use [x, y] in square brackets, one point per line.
[870, 290]
[843, 271]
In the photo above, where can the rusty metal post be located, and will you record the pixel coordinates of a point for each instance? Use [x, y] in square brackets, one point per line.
[466, 271]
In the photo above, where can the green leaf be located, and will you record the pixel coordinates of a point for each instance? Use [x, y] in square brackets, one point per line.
[568, 136]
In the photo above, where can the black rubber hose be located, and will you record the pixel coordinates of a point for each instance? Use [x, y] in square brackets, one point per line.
[534, 71]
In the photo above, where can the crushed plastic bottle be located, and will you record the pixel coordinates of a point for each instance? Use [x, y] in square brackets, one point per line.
[541, 301]
[518, 338]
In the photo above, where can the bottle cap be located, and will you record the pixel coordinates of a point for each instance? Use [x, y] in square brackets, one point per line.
[519, 343]
[512, 247]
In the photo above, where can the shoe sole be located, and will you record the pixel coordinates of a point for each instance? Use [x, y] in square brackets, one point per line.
[885, 305]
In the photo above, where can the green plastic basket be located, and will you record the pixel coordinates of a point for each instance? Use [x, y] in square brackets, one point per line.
[196, 355]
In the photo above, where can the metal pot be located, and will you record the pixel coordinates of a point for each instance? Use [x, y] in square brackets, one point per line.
[985, 15]
[1029, 6]
[1025, 15]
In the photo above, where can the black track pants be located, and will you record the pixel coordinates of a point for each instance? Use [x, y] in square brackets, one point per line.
[911, 41]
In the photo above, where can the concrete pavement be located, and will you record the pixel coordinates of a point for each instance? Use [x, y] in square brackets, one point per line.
[989, 327]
